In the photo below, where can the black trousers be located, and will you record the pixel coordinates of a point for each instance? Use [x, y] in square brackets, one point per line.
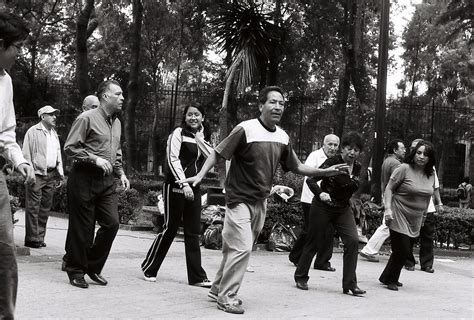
[178, 209]
[324, 253]
[91, 198]
[401, 247]
[321, 217]
[426, 244]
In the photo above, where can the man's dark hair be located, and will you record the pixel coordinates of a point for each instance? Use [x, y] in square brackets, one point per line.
[430, 153]
[393, 145]
[104, 86]
[466, 180]
[12, 28]
[263, 95]
[352, 138]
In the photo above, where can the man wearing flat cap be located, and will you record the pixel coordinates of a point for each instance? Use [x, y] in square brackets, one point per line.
[42, 150]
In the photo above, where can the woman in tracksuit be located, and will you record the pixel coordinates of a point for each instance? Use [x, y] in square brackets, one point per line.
[186, 152]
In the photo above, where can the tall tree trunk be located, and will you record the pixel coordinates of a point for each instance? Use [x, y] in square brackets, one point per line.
[362, 87]
[345, 76]
[275, 54]
[342, 96]
[82, 33]
[224, 118]
[132, 88]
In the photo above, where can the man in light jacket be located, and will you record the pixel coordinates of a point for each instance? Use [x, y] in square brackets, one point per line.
[42, 150]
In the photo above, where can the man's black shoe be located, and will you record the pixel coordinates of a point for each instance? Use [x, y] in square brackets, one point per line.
[428, 269]
[97, 278]
[301, 285]
[79, 282]
[328, 268]
[43, 244]
[33, 244]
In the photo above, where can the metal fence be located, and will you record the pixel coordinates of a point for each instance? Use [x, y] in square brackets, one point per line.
[307, 120]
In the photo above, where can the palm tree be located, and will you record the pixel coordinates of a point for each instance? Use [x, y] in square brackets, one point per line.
[248, 34]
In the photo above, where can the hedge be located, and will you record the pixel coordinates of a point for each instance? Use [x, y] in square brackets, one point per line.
[142, 192]
[453, 226]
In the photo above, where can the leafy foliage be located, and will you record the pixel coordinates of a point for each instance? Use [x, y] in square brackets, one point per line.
[129, 205]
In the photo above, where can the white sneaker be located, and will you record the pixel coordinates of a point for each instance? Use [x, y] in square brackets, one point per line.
[149, 278]
[203, 284]
[213, 297]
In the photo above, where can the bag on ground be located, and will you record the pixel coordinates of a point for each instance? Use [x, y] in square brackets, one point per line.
[212, 238]
[281, 238]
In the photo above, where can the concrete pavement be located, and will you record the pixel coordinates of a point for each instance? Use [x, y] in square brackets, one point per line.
[45, 293]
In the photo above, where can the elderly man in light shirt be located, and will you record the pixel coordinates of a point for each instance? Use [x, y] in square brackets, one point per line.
[42, 150]
[315, 159]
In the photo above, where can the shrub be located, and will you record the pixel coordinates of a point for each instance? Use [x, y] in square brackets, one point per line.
[16, 187]
[454, 226]
[151, 198]
[14, 206]
[129, 205]
[60, 198]
[287, 213]
[144, 185]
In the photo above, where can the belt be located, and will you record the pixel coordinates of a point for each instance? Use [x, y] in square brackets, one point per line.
[50, 169]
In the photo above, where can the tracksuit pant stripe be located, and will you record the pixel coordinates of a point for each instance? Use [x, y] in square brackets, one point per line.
[177, 210]
[151, 255]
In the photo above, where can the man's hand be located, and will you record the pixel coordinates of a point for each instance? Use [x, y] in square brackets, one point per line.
[337, 169]
[388, 216]
[188, 192]
[125, 182]
[60, 182]
[194, 180]
[104, 165]
[439, 209]
[27, 171]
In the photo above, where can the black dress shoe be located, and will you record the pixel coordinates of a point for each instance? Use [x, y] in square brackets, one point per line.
[410, 268]
[301, 285]
[398, 284]
[43, 244]
[392, 286]
[97, 278]
[79, 282]
[428, 269]
[355, 291]
[328, 268]
[33, 244]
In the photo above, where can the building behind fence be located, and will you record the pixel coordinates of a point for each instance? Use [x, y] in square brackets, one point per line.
[307, 120]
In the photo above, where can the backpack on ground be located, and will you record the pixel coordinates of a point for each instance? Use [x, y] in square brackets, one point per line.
[212, 238]
[282, 238]
[462, 192]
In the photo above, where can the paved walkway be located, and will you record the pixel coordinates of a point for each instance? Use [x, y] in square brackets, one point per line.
[269, 292]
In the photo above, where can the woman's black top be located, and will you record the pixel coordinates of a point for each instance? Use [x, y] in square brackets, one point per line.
[339, 187]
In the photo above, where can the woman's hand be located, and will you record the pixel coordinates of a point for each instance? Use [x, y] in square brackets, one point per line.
[188, 193]
[325, 197]
[388, 216]
[194, 180]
